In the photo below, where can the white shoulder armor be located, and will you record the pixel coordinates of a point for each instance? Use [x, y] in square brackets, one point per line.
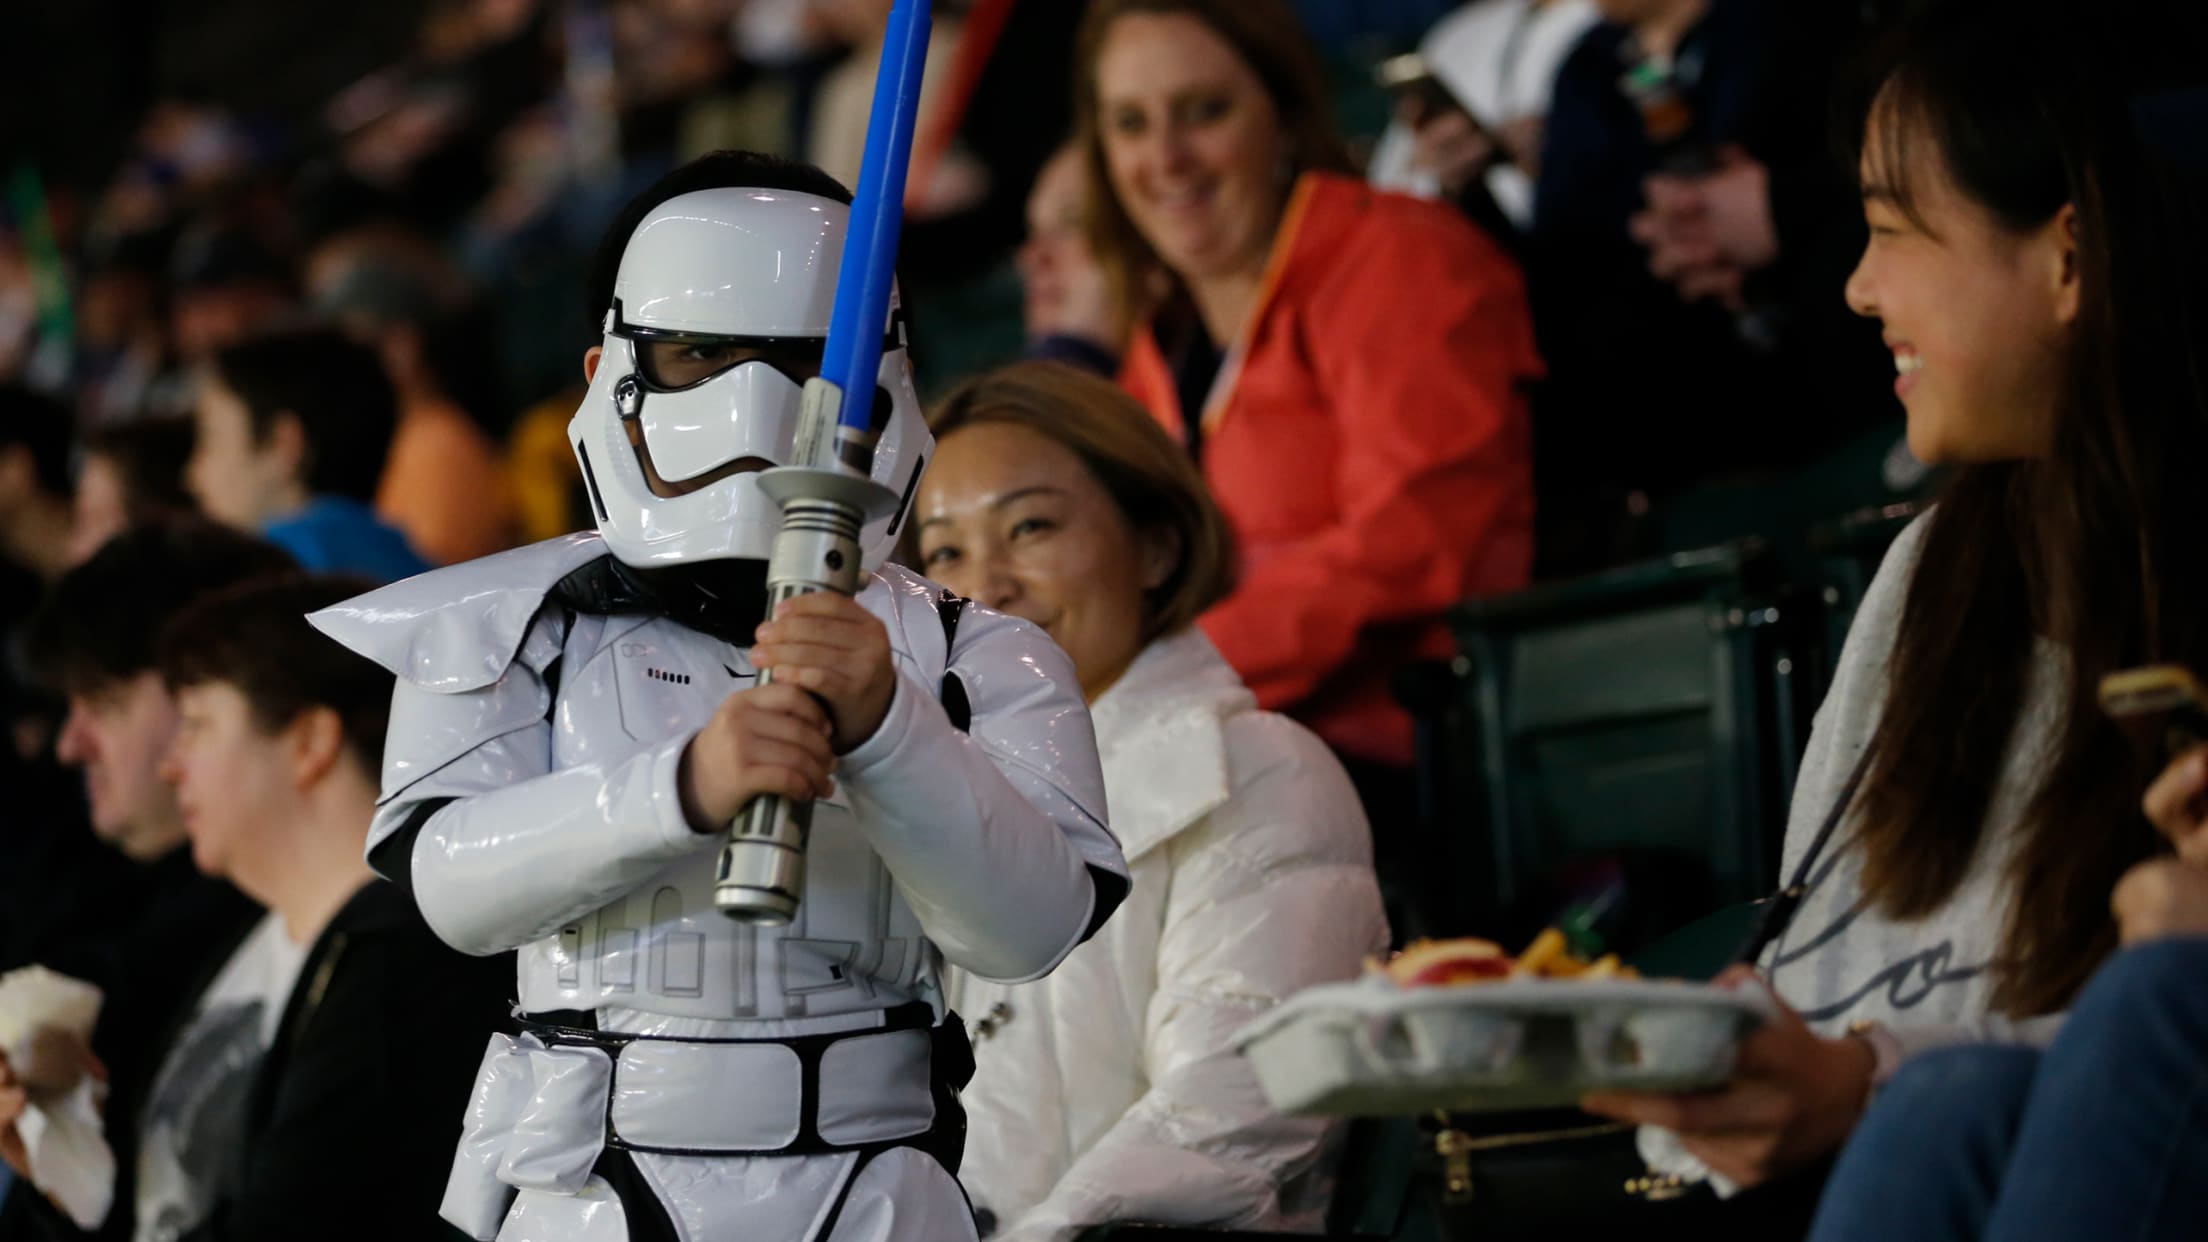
[914, 615]
[458, 628]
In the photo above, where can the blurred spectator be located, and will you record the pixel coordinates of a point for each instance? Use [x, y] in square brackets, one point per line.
[93, 636]
[276, 766]
[18, 308]
[845, 97]
[152, 935]
[1677, 122]
[775, 31]
[34, 485]
[184, 154]
[1347, 365]
[292, 433]
[666, 56]
[420, 130]
[130, 474]
[994, 110]
[1341, 23]
[549, 499]
[270, 61]
[976, 159]
[226, 285]
[123, 367]
[1069, 312]
[1473, 124]
[1110, 1091]
[42, 834]
[444, 485]
[1003, 111]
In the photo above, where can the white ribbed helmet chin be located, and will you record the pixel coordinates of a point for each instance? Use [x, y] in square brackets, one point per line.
[720, 309]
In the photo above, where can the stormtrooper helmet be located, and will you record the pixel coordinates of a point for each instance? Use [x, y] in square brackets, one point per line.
[720, 311]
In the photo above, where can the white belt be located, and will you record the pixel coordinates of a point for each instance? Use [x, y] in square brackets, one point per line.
[544, 1108]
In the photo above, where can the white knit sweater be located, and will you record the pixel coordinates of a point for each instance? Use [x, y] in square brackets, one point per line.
[1924, 983]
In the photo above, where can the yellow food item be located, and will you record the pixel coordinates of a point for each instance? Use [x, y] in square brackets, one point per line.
[1548, 954]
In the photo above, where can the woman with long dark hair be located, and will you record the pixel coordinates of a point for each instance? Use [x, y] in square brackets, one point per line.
[2042, 279]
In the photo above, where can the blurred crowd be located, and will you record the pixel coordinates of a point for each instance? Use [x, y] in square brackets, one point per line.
[340, 303]
[1400, 304]
[432, 183]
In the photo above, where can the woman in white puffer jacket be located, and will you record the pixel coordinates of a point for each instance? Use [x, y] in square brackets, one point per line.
[1109, 1090]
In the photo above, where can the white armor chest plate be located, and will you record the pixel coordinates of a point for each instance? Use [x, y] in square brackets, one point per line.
[664, 948]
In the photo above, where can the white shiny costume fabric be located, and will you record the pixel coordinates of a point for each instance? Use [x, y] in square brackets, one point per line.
[733, 263]
[1109, 1091]
[565, 840]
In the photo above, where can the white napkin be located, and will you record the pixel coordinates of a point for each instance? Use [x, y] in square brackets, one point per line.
[64, 1136]
[35, 998]
[70, 1160]
[1664, 1151]
[1668, 1156]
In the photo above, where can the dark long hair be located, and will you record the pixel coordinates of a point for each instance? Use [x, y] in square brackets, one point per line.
[2098, 546]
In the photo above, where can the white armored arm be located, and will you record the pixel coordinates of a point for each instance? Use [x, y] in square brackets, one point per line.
[995, 836]
[507, 865]
[498, 849]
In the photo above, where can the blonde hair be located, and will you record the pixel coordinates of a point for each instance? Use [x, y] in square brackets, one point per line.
[1150, 479]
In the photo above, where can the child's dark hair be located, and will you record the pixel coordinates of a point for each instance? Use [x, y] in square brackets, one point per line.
[336, 390]
[255, 638]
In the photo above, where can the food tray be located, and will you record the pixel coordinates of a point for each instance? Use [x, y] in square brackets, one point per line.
[1373, 1048]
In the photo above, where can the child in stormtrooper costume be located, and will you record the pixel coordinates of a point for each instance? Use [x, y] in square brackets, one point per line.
[575, 723]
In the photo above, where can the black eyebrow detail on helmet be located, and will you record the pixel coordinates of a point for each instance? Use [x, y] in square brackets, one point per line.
[590, 479]
[904, 503]
[892, 339]
[781, 354]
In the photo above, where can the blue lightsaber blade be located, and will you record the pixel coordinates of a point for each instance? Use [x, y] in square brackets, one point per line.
[829, 494]
[855, 327]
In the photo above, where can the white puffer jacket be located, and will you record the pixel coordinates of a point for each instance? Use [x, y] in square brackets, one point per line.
[1107, 1091]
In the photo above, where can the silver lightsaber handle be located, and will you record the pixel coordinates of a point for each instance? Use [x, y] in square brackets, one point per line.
[762, 869]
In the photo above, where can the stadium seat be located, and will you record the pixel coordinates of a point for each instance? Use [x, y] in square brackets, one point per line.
[1650, 715]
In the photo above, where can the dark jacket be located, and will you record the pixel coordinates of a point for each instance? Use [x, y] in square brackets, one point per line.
[1651, 394]
[355, 1111]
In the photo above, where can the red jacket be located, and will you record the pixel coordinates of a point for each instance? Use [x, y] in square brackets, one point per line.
[1368, 440]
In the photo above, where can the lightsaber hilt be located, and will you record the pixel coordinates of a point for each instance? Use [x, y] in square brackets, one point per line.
[827, 497]
[761, 876]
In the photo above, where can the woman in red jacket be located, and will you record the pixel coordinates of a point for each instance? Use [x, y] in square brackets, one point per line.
[1348, 366]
